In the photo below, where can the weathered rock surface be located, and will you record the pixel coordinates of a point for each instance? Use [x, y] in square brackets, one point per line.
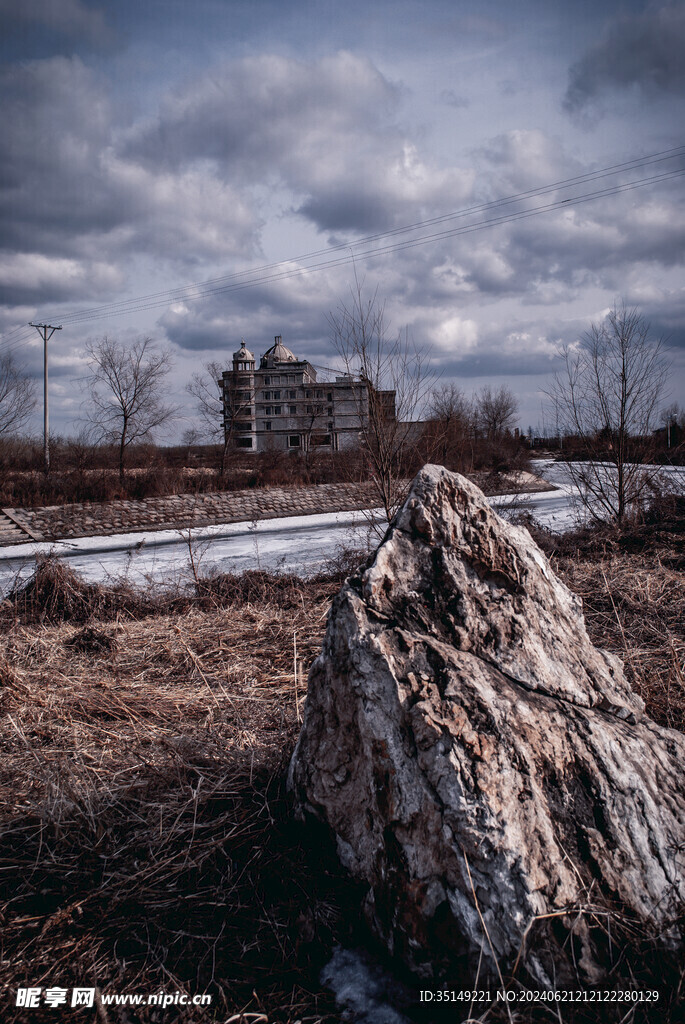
[474, 754]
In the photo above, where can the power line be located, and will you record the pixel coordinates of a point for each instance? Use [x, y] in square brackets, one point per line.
[181, 292]
[290, 272]
[284, 270]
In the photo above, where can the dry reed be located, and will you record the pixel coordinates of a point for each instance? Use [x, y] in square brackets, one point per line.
[634, 606]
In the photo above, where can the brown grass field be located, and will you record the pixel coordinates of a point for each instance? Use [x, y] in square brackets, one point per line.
[147, 842]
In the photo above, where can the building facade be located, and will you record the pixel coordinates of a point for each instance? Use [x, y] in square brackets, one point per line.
[280, 405]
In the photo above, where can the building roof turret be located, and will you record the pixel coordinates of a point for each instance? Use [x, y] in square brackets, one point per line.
[243, 354]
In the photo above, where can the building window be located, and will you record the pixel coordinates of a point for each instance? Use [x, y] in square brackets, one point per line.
[244, 442]
[293, 410]
[277, 394]
[267, 396]
[267, 380]
[329, 396]
[320, 440]
[309, 408]
[243, 426]
[319, 394]
[266, 425]
[275, 380]
[307, 394]
[292, 394]
[268, 411]
[330, 410]
[277, 410]
[294, 441]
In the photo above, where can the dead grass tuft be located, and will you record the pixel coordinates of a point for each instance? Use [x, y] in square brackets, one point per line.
[55, 593]
[635, 607]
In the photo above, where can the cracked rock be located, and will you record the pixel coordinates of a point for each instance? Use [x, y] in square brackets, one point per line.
[484, 769]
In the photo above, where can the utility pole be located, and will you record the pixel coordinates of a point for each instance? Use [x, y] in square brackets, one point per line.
[43, 331]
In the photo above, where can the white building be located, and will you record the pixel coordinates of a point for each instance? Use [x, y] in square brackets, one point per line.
[281, 406]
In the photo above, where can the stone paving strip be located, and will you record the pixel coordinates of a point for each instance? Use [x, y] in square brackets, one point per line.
[180, 511]
[10, 532]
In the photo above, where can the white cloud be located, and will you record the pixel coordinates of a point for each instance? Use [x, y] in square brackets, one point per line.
[455, 336]
[51, 278]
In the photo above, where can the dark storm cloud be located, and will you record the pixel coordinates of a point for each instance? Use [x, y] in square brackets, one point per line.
[252, 113]
[644, 50]
[295, 309]
[492, 362]
[54, 23]
[66, 194]
[347, 209]
[326, 131]
[54, 127]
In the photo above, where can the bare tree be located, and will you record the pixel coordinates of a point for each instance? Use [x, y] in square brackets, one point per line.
[393, 382]
[207, 391]
[607, 398]
[495, 412]
[17, 395]
[126, 392]
[448, 431]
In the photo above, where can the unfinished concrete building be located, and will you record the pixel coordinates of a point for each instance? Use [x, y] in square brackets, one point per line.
[280, 405]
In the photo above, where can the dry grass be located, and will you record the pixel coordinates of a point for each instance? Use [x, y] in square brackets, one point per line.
[55, 593]
[635, 607]
[146, 837]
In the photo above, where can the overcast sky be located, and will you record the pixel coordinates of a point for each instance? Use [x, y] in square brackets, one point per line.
[151, 146]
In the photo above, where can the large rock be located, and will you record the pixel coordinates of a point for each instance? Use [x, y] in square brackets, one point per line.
[479, 762]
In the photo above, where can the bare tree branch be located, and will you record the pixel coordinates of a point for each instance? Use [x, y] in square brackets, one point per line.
[495, 412]
[395, 381]
[448, 432]
[17, 395]
[125, 387]
[607, 398]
